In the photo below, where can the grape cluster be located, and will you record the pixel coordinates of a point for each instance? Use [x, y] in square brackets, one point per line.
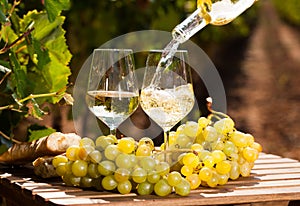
[122, 165]
[199, 153]
[212, 152]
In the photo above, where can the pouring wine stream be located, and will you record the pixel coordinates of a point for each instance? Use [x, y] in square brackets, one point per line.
[216, 12]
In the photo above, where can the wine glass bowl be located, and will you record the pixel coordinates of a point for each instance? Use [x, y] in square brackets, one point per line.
[112, 94]
[167, 94]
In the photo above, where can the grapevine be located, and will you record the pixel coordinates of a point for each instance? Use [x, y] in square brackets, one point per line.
[200, 154]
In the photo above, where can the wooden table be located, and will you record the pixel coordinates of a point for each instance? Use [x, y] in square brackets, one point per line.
[274, 181]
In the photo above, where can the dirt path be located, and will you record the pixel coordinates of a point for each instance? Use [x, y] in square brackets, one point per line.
[268, 86]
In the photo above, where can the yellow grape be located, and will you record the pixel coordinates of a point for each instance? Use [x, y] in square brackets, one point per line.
[223, 167]
[190, 129]
[59, 159]
[143, 150]
[196, 147]
[126, 145]
[86, 141]
[218, 156]
[72, 152]
[257, 146]
[239, 139]
[203, 122]
[205, 173]
[190, 159]
[194, 181]
[186, 170]
[250, 154]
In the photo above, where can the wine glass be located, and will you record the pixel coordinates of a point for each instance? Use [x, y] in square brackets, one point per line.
[112, 93]
[167, 94]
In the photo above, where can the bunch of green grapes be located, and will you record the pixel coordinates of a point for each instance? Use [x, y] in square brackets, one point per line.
[121, 165]
[212, 152]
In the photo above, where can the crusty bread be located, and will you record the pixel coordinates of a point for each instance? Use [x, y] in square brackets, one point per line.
[54, 144]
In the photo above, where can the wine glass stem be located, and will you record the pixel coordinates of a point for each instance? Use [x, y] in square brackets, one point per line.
[112, 131]
[166, 139]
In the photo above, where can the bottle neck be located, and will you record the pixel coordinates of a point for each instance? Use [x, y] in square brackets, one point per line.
[190, 26]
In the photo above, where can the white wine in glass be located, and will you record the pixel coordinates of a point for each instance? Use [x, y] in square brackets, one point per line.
[113, 93]
[171, 97]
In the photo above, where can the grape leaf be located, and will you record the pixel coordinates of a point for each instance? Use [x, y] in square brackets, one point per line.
[37, 134]
[49, 53]
[55, 7]
[19, 76]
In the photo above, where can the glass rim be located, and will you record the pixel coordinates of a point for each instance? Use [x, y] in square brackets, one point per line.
[113, 49]
[161, 50]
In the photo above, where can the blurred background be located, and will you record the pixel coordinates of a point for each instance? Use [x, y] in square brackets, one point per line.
[257, 56]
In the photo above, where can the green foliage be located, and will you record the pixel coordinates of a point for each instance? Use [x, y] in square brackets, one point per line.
[289, 10]
[38, 133]
[34, 62]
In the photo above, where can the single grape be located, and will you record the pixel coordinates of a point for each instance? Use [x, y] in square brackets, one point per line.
[143, 150]
[109, 182]
[59, 159]
[75, 180]
[124, 187]
[72, 152]
[145, 188]
[162, 168]
[86, 182]
[126, 145]
[209, 161]
[224, 126]
[106, 167]
[61, 169]
[95, 156]
[122, 174]
[84, 151]
[124, 161]
[153, 177]
[256, 146]
[103, 141]
[79, 168]
[86, 141]
[162, 188]
[250, 139]
[186, 170]
[250, 154]
[210, 134]
[223, 167]
[182, 140]
[218, 156]
[93, 170]
[174, 178]
[194, 181]
[191, 129]
[190, 159]
[147, 163]
[147, 141]
[183, 188]
[245, 169]
[223, 179]
[214, 180]
[203, 122]
[196, 147]
[111, 152]
[239, 139]
[234, 171]
[217, 145]
[229, 148]
[139, 175]
[205, 174]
